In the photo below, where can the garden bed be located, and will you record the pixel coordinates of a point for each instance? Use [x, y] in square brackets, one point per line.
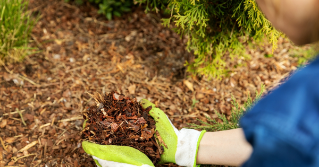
[43, 98]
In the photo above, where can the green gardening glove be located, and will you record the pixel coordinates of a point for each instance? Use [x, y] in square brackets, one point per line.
[116, 156]
[182, 145]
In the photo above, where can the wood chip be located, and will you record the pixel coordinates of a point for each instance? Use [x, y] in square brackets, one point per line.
[28, 146]
[9, 140]
[189, 85]
[3, 123]
[132, 88]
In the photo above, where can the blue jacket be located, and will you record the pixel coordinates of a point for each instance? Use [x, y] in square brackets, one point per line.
[283, 127]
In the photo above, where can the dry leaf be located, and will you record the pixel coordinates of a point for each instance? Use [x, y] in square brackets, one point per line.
[9, 140]
[86, 57]
[66, 93]
[132, 88]
[232, 82]
[189, 85]
[11, 163]
[59, 42]
[120, 67]
[7, 77]
[3, 123]
[200, 96]
[14, 150]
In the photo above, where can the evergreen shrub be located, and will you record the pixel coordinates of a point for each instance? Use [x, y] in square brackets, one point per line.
[216, 30]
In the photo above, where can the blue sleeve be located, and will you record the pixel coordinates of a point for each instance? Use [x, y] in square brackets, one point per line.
[283, 127]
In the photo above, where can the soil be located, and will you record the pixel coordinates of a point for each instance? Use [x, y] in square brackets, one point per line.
[119, 120]
[43, 97]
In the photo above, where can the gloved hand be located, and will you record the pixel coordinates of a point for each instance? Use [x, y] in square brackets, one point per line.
[182, 146]
[116, 156]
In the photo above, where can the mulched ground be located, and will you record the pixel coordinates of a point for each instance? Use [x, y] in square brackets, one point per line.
[135, 55]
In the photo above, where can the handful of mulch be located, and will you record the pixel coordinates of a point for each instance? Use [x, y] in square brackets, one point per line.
[119, 120]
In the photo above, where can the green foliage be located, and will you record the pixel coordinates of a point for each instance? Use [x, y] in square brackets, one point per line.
[304, 54]
[78, 2]
[231, 123]
[194, 101]
[113, 7]
[110, 8]
[269, 55]
[216, 30]
[15, 29]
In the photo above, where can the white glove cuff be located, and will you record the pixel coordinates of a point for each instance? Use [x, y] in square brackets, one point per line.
[187, 147]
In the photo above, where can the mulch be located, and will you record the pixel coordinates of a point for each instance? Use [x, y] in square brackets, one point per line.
[119, 120]
[80, 52]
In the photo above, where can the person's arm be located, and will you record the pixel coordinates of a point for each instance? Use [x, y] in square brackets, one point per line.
[224, 148]
[298, 19]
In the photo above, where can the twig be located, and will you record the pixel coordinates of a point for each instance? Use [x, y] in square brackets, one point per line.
[15, 112]
[45, 125]
[29, 80]
[159, 147]
[96, 21]
[69, 6]
[5, 67]
[39, 162]
[5, 148]
[36, 41]
[20, 113]
[34, 158]
[77, 68]
[10, 114]
[15, 159]
[44, 85]
[29, 146]
[163, 93]
[160, 139]
[71, 119]
[53, 121]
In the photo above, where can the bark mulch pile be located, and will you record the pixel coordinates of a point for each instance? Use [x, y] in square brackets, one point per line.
[42, 98]
[119, 120]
